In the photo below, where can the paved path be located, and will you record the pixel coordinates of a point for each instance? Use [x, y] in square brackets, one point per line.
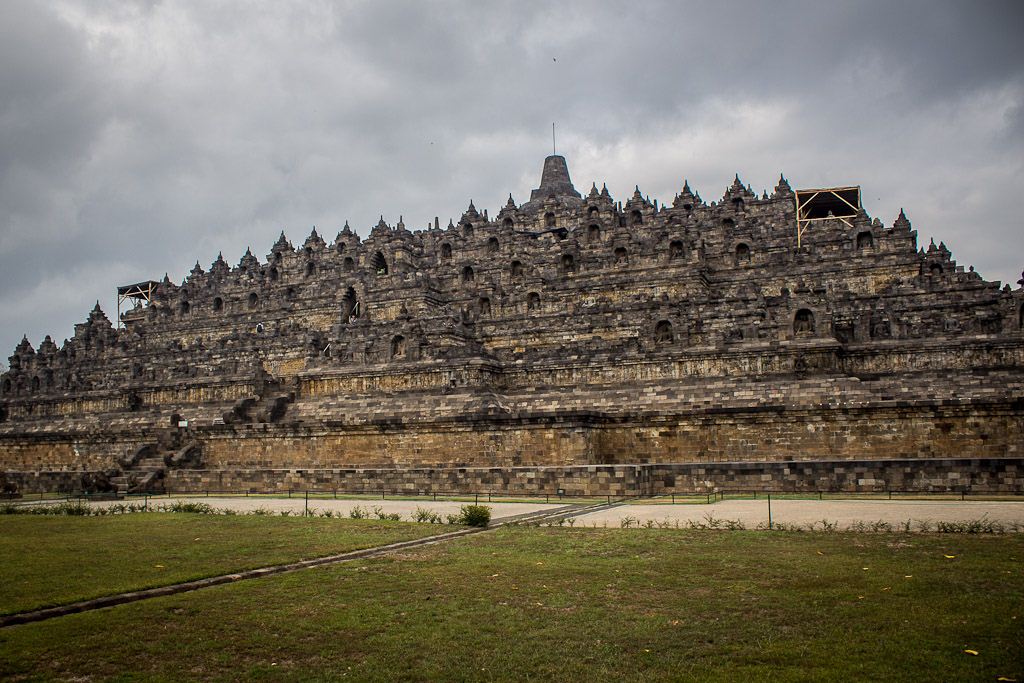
[845, 512]
[297, 504]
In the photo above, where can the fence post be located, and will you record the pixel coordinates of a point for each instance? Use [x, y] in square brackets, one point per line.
[305, 512]
[769, 511]
[673, 499]
[476, 499]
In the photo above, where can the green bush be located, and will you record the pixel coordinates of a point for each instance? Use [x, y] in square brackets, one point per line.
[475, 515]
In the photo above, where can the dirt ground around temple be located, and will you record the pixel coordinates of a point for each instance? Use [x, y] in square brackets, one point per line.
[803, 512]
[749, 512]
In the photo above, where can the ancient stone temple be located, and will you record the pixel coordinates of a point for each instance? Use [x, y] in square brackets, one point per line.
[782, 341]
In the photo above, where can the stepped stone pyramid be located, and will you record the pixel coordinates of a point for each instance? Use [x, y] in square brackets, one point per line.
[571, 343]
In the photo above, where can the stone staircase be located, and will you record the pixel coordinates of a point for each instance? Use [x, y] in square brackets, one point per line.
[269, 406]
[145, 470]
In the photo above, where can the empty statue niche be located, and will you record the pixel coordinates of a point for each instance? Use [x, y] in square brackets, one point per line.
[310, 269]
[865, 240]
[484, 306]
[568, 264]
[379, 264]
[663, 332]
[184, 308]
[36, 383]
[675, 250]
[636, 217]
[533, 301]
[218, 304]
[467, 274]
[728, 223]
[446, 252]
[273, 274]
[350, 306]
[737, 204]
[398, 346]
[340, 247]
[7, 386]
[516, 270]
[508, 223]
[492, 245]
[348, 264]
[935, 270]
[467, 231]
[549, 219]
[803, 323]
[254, 300]
[593, 213]
[594, 233]
[742, 254]
[620, 256]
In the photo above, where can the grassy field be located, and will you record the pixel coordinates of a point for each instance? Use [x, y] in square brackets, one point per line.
[56, 560]
[578, 605]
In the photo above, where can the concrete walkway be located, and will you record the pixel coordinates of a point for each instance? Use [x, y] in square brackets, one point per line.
[297, 505]
[803, 512]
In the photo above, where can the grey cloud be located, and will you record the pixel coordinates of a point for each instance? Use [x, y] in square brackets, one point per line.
[149, 135]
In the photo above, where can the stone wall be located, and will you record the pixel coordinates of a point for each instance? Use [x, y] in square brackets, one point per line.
[980, 475]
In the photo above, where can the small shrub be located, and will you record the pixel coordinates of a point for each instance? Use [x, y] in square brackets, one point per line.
[358, 512]
[475, 515]
[453, 519]
[425, 516]
[188, 506]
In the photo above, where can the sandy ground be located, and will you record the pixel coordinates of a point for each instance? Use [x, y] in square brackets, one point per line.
[845, 512]
[297, 504]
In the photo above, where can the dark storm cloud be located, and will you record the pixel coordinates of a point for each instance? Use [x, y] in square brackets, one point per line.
[138, 137]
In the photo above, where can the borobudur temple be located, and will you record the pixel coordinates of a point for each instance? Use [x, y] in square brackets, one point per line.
[571, 343]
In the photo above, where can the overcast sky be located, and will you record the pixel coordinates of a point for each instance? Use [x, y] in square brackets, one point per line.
[138, 137]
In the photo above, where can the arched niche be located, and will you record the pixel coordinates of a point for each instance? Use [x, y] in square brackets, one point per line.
[803, 323]
[663, 332]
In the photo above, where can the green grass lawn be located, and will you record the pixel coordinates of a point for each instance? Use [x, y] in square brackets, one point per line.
[48, 561]
[577, 605]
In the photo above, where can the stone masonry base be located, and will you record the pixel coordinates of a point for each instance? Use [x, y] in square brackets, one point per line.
[978, 475]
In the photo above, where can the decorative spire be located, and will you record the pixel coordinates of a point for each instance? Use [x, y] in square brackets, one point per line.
[604, 192]
[782, 189]
[901, 222]
[248, 261]
[686, 199]
[282, 243]
[197, 270]
[346, 230]
[24, 348]
[594, 194]
[511, 203]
